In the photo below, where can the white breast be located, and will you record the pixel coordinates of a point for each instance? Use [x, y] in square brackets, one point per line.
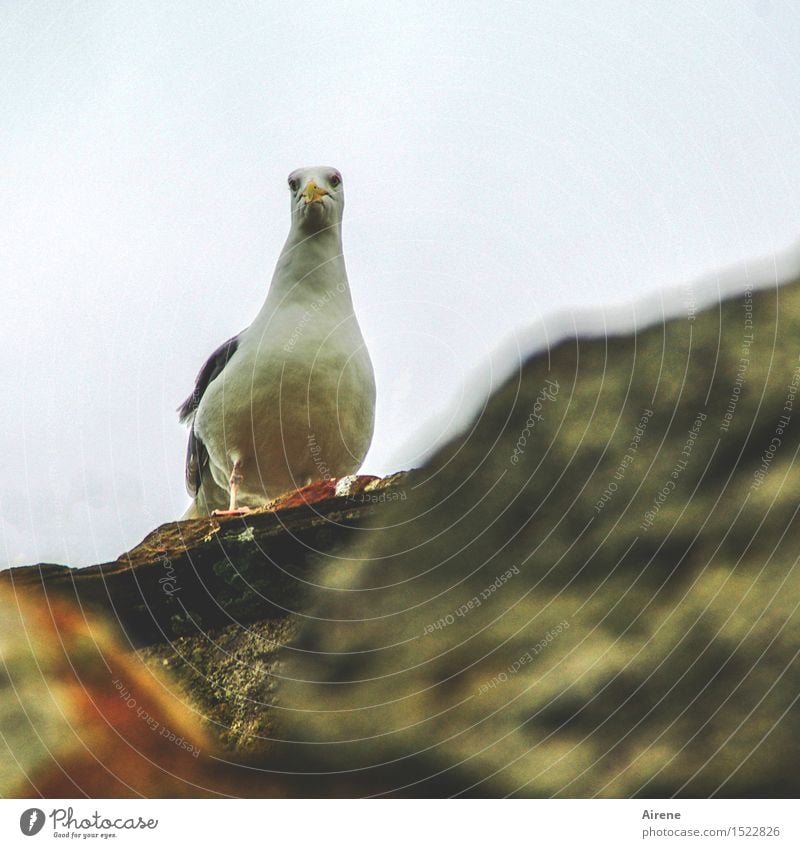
[294, 404]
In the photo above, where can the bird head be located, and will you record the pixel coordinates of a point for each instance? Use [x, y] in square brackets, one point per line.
[317, 198]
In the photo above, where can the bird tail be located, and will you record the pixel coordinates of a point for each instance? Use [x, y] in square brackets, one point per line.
[192, 512]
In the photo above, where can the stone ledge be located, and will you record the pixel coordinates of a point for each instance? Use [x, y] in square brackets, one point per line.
[188, 577]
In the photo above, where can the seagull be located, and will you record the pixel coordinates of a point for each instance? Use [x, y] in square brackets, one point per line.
[291, 399]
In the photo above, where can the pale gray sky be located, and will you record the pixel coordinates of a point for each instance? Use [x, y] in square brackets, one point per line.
[502, 161]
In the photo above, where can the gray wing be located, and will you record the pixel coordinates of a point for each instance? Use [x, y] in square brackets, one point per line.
[196, 453]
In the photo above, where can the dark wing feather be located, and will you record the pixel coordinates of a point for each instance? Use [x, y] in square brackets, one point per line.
[212, 368]
[196, 453]
[196, 463]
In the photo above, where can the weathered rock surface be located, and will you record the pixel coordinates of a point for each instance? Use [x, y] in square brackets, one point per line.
[81, 716]
[592, 591]
[211, 600]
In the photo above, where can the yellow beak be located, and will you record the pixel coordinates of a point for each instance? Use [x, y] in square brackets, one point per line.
[313, 193]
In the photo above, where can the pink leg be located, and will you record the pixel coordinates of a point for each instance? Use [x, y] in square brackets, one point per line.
[234, 483]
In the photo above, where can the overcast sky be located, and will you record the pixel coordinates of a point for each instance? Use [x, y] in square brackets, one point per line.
[501, 161]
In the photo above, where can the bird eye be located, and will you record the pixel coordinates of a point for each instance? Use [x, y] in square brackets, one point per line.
[335, 180]
[294, 183]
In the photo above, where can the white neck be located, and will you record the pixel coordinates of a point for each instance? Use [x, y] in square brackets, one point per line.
[310, 267]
